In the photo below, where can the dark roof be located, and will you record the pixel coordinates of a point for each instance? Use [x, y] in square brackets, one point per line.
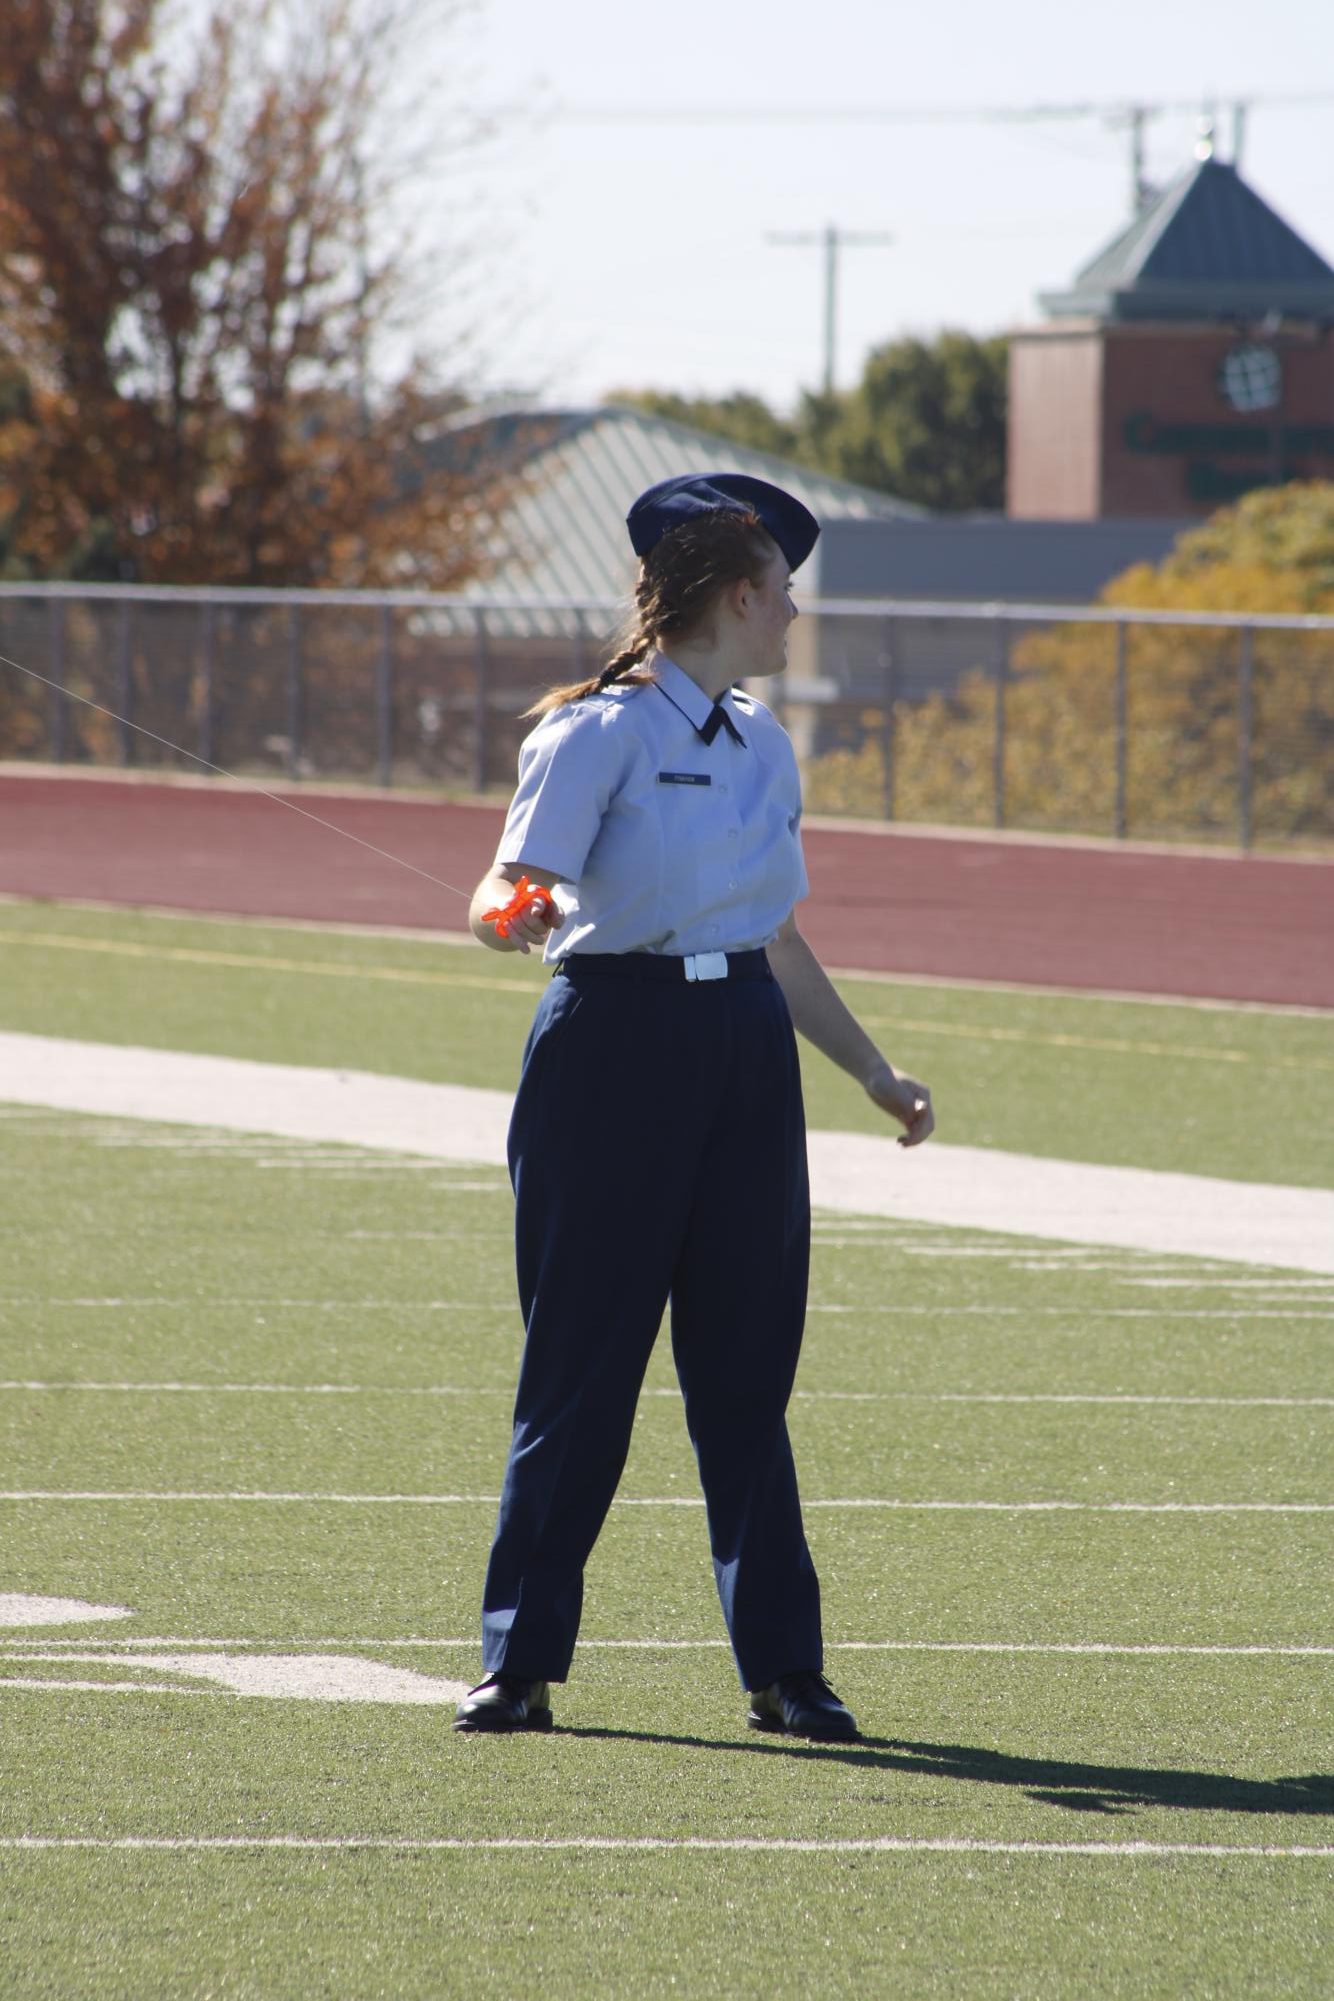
[987, 557]
[1207, 248]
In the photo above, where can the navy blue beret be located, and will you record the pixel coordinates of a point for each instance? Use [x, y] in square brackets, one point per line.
[674, 501]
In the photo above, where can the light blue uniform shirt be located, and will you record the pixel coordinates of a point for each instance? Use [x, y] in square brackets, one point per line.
[664, 843]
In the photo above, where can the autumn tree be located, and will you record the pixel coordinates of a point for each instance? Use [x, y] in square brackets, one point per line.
[197, 248]
[1189, 750]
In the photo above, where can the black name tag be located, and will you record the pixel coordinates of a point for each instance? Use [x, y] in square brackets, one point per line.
[684, 778]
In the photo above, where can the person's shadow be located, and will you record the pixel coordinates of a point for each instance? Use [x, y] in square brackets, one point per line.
[1106, 1789]
[1115, 1789]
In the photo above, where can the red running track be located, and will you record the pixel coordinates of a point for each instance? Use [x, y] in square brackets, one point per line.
[1036, 913]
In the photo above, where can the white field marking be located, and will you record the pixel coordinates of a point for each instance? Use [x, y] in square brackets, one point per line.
[1316, 1287]
[959, 1187]
[123, 948]
[1065, 1397]
[1113, 1045]
[123, 1650]
[267, 1300]
[395, 1114]
[285, 1677]
[421, 1236]
[686, 1844]
[800, 1396]
[525, 989]
[932, 982]
[97, 1687]
[1024, 1257]
[1223, 1315]
[19, 1609]
[281, 1390]
[677, 1501]
[1058, 1256]
[1217, 1314]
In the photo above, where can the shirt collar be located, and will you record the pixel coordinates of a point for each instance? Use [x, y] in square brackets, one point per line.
[687, 695]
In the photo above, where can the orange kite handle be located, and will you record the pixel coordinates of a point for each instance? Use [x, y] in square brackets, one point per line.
[527, 896]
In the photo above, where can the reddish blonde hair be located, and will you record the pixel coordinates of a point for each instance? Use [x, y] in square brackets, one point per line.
[679, 582]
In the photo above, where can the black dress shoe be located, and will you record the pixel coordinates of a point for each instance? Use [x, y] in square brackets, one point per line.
[504, 1702]
[803, 1705]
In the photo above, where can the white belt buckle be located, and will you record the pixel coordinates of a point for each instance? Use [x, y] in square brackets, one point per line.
[706, 965]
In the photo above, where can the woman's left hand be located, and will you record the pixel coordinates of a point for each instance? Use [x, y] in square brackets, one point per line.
[905, 1100]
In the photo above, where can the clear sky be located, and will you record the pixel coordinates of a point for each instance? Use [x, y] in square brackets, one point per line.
[634, 254]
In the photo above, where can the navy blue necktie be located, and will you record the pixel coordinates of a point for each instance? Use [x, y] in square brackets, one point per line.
[716, 720]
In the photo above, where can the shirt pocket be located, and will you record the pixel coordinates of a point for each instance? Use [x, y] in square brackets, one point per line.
[686, 804]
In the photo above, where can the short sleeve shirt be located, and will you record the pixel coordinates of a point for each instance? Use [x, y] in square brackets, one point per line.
[663, 843]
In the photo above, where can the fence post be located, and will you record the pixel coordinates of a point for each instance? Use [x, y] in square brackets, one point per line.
[294, 691]
[207, 647]
[479, 714]
[1002, 650]
[384, 700]
[1121, 759]
[124, 682]
[59, 707]
[889, 661]
[579, 649]
[1245, 733]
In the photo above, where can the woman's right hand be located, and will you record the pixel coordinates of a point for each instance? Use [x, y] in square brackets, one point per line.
[532, 927]
[525, 929]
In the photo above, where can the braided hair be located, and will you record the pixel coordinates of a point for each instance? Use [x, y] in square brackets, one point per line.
[678, 584]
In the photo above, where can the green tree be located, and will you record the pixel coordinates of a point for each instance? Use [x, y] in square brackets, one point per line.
[742, 418]
[925, 423]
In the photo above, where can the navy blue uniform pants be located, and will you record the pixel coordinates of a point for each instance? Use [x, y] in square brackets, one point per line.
[657, 1152]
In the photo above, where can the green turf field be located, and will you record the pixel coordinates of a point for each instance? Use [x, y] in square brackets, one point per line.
[256, 1392]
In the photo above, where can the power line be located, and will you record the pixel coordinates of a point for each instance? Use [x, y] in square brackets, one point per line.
[1120, 114]
[897, 114]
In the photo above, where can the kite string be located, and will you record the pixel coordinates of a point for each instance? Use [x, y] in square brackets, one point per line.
[72, 695]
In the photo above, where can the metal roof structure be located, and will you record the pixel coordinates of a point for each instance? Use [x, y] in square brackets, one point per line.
[989, 558]
[1208, 248]
[575, 473]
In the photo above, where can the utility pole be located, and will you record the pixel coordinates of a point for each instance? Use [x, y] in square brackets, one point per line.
[833, 239]
[1134, 118]
[1239, 110]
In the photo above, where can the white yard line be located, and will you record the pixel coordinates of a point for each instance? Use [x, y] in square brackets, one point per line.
[306, 1677]
[800, 1396]
[1223, 1314]
[651, 1844]
[58, 1682]
[963, 1187]
[270, 1499]
[124, 1650]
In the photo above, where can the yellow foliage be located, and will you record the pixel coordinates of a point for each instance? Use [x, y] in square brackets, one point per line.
[1185, 762]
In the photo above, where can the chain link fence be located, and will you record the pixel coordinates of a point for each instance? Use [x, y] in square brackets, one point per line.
[1177, 726]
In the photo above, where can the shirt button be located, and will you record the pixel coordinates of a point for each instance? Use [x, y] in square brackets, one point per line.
[723, 788]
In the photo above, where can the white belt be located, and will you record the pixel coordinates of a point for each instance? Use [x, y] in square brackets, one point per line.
[705, 965]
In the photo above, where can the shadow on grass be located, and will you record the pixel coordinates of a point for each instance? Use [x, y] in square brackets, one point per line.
[1107, 1789]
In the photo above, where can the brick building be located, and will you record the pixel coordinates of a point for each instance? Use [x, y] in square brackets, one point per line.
[1191, 360]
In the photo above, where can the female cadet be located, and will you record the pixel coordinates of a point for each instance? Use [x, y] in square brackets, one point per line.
[657, 1147]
